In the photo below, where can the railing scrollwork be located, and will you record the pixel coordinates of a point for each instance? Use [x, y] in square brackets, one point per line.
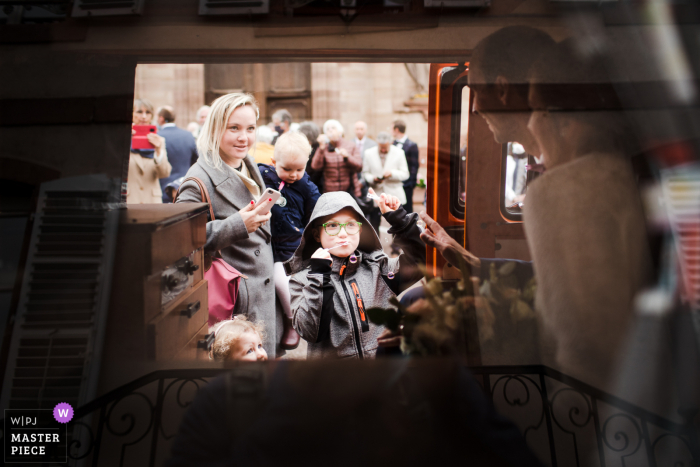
[598, 425]
[134, 424]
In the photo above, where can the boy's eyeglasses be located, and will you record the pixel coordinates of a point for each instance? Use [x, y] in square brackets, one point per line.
[351, 228]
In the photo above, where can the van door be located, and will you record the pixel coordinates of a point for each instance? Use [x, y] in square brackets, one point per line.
[467, 175]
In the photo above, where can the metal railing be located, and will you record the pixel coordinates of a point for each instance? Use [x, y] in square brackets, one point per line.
[565, 421]
[584, 425]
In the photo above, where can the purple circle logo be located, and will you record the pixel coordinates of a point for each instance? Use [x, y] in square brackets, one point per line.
[63, 412]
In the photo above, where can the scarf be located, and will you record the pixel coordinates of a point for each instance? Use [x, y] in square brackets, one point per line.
[147, 153]
[247, 180]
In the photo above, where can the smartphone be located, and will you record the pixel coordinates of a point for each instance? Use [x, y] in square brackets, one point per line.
[140, 139]
[268, 194]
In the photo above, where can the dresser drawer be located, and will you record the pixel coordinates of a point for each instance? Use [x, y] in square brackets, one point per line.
[192, 351]
[177, 240]
[157, 235]
[165, 289]
[168, 333]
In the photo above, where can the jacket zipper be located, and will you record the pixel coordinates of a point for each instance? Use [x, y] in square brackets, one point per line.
[360, 304]
[352, 312]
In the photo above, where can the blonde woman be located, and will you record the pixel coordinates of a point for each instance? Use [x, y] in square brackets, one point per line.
[146, 166]
[233, 181]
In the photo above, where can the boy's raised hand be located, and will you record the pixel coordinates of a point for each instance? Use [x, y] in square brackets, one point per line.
[386, 202]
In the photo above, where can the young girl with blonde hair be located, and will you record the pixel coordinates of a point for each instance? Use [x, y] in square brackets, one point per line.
[238, 339]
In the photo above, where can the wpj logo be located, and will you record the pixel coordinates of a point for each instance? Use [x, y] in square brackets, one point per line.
[38, 435]
[63, 412]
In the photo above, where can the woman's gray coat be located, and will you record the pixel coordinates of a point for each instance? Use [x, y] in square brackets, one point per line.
[251, 253]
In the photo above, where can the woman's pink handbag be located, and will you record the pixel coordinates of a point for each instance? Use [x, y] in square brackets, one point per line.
[223, 278]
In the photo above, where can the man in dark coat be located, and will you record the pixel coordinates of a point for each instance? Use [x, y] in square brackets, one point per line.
[411, 150]
[181, 146]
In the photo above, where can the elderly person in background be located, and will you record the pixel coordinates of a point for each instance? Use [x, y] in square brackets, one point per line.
[339, 160]
[384, 168]
[146, 166]
[282, 121]
[202, 114]
[263, 149]
[361, 140]
[311, 131]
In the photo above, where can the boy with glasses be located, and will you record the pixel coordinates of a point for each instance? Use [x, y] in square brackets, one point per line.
[340, 270]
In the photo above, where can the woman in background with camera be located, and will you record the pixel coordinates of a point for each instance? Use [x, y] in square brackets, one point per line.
[339, 160]
[146, 166]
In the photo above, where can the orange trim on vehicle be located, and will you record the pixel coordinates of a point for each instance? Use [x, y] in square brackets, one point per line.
[436, 158]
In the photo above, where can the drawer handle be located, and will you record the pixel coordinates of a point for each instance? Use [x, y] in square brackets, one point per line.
[188, 267]
[191, 309]
[207, 342]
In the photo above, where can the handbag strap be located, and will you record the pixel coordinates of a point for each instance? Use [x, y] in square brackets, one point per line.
[204, 192]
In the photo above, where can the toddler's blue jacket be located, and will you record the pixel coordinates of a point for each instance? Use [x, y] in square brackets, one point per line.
[288, 222]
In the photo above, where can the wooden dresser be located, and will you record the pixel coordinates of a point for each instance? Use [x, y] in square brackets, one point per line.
[158, 307]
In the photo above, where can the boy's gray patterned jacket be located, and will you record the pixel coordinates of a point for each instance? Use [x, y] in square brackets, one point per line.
[329, 303]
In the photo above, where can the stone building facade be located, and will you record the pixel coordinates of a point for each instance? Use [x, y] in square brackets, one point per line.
[377, 93]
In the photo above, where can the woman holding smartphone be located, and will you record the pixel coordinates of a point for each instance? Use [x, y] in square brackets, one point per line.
[240, 230]
[146, 166]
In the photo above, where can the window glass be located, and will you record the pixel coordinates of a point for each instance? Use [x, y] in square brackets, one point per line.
[463, 140]
[519, 169]
[516, 175]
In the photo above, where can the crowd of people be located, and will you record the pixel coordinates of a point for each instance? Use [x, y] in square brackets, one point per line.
[335, 190]
[583, 220]
[349, 172]
[237, 160]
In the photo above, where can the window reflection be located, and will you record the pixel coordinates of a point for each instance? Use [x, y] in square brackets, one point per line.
[463, 141]
[521, 169]
[516, 175]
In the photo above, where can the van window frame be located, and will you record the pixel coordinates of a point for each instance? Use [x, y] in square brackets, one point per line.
[458, 209]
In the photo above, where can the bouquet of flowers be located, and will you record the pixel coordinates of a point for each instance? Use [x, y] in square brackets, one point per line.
[454, 320]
